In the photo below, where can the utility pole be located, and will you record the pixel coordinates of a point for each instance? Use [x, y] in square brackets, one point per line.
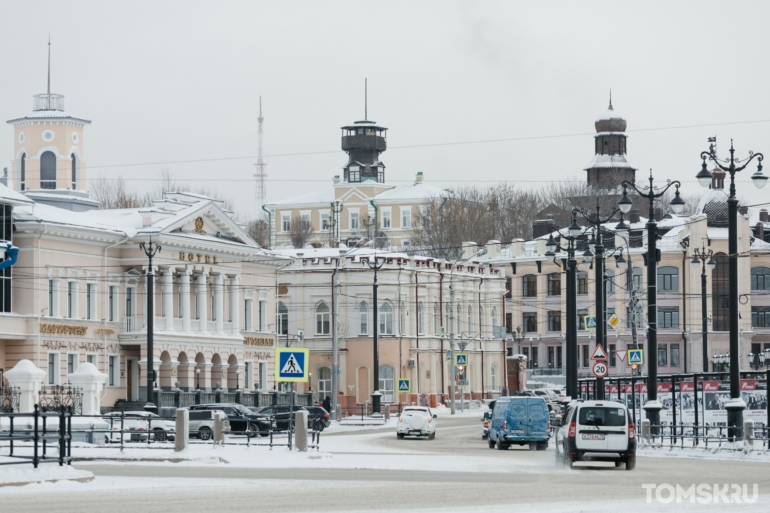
[453, 372]
[150, 250]
[335, 344]
[376, 371]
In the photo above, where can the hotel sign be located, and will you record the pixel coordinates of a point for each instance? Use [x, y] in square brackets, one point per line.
[258, 341]
[197, 257]
[63, 329]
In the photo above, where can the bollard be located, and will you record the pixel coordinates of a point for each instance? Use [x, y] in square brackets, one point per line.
[339, 413]
[182, 435]
[219, 428]
[748, 432]
[300, 430]
[646, 431]
[387, 413]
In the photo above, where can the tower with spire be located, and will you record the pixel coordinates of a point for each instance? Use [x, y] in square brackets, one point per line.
[363, 141]
[609, 166]
[261, 174]
[48, 158]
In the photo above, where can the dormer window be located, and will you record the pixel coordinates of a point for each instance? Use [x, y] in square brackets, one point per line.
[354, 174]
[381, 174]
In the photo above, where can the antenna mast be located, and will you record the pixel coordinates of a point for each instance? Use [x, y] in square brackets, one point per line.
[49, 71]
[260, 175]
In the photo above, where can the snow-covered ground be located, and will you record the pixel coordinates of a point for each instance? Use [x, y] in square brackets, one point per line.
[15, 475]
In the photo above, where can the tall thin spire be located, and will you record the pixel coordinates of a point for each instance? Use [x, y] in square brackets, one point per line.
[366, 98]
[611, 99]
[49, 71]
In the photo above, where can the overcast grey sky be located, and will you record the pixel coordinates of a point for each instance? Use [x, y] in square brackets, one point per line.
[169, 81]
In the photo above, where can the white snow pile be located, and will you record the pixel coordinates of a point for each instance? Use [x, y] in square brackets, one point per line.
[17, 475]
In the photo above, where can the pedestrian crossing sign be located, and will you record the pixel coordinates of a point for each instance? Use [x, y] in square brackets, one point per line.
[291, 364]
[590, 322]
[404, 386]
[635, 356]
[461, 359]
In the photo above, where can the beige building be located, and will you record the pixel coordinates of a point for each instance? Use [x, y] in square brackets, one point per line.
[77, 292]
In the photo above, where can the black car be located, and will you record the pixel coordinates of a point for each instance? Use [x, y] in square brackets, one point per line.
[281, 414]
[241, 418]
[318, 417]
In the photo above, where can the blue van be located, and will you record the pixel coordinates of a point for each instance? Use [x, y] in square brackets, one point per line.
[519, 420]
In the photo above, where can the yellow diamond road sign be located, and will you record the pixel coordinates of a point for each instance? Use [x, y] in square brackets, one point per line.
[613, 321]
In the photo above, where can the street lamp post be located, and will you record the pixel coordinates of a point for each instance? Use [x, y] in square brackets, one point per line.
[574, 231]
[596, 251]
[732, 165]
[651, 193]
[376, 371]
[705, 258]
[150, 250]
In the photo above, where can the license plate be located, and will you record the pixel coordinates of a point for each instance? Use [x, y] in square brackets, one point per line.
[592, 437]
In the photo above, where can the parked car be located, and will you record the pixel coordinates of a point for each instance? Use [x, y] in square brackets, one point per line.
[241, 419]
[596, 430]
[486, 419]
[519, 420]
[318, 416]
[281, 414]
[139, 423]
[558, 394]
[202, 423]
[416, 421]
[544, 393]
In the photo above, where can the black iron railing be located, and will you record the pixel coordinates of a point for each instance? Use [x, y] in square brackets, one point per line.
[9, 399]
[53, 398]
[45, 430]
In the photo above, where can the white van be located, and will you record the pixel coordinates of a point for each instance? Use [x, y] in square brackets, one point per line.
[596, 430]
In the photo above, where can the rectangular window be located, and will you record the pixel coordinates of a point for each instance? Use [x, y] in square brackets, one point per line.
[51, 313]
[509, 323]
[582, 314]
[582, 282]
[354, 220]
[248, 375]
[508, 288]
[613, 361]
[71, 298]
[554, 284]
[385, 219]
[305, 220]
[72, 362]
[130, 302]
[585, 356]
[668, 317]
[113, 370]
[325, 225]
[529, 285]
[675, 355]
[53, 368]
[525, 352]
[262, 316]
[90, 297]
[112, 296]
[551, 357]
[406, 217]
[354, 172]
[554, 320]
[662, 355]
[558, 357]
[386, 319]
[668, 278]
[534, 358]
[247, 326]
[285, 222]
[363, 319]
[530, 322]
[262, 378]
[93, 359]
[609, 281]
[760, 316]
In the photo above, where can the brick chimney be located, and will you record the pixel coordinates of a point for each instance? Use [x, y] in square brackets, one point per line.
[634, 217]
[760, 232]
[743, 210]
[763, 215]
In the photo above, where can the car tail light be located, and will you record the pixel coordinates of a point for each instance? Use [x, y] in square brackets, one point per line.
[631, 432]
[571, 433]
[430, 419]
[505, 425]
[326, 416]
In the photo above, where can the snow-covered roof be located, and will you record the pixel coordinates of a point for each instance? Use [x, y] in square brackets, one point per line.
[713, 204]
[418, 191]
[609, 161]
[320, 196]
[13, 198]
[49, 114]
[117, 221]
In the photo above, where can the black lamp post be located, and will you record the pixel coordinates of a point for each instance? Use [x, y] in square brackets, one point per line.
[721, 362]
[596, 252]
[150, 250]
[732, 165]
[651, 193]
[574, 231]
[700, 257]
[197, 379]
[376, 371]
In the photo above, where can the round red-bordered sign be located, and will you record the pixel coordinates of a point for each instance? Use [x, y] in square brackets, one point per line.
[600, 369]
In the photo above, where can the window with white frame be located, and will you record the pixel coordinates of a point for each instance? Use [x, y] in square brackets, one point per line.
[322, 319]
[305, 220]
[53, 298]
[325, 225]
[493, 320]
[386, 319]
[130, 297]
[436, 319]
[385, 219]
[470, 319]
[248, 371]
[420, 319]
[363, 318]
[493, 376]
[113, 370]
[90, 301]
[72, 362]
[112, 298]
[93, 359]
[282, 319]
[285, 222]
[262, 378]
[247, 325]
[387, 382]
[354, 220]
[406, 217]
[72, 299]
[262, 315]
[53, 368]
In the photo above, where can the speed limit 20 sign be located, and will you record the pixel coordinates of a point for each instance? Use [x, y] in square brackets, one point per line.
[600, 369]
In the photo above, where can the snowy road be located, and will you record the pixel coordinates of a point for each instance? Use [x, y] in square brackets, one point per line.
[495, 481]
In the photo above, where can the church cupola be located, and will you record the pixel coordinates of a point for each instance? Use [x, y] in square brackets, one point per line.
[363, 141]
[609, 167]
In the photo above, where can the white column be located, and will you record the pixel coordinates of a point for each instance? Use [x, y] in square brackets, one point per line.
[28, 378]
[219, 304]
[202, 290]
[88, 378]
[235, 304]
[168, 298]
[184, 290]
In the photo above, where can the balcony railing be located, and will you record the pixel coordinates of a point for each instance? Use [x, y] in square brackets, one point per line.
[137, 323]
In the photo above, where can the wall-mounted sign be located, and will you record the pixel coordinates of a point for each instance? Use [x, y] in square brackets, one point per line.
[197, 257]
[258, 341]
[104, 331]
[63, 329]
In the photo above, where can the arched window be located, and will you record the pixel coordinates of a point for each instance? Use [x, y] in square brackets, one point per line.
[48, 170]
[23, 171]
[720, 293]
[387, 384]
[760, 278]
[322, 319]
[386, 319]
[324, 383]
[609, 281]
[74, 172]
[420, 319]
[436, 319]
[283, 319]
[470, 320]
[493, 377]
[668, 278]
[363, 319]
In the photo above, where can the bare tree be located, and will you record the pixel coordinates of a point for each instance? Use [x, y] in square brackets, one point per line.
[300, 232]
[113, 194]
[259, 230]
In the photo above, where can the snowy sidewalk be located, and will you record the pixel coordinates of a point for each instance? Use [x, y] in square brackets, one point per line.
[18, 475]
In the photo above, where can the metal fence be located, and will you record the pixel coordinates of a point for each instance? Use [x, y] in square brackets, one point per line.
[9, 399]
[169, 400]
[55, 397]
[43, 434]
